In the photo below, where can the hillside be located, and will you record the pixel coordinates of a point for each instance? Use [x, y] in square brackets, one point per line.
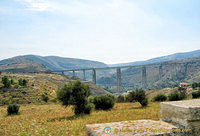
[33, 63]
[37, 85]
[174, 72]
[172, 57]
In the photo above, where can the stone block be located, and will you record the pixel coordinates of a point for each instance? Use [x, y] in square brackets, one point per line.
[184, 114]
[130, 128]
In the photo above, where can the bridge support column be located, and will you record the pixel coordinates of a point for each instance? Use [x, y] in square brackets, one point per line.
[94, 76]
[84, 75]
[144, 78]
[118, 80]
[160, 72]
[186, 69]
[63, 72]
[73, 77]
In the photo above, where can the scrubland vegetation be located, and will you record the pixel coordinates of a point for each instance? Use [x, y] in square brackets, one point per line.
[77, 107]
[57, 120]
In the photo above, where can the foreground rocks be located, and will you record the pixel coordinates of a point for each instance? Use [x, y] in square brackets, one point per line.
[180, 118]
[184, 114]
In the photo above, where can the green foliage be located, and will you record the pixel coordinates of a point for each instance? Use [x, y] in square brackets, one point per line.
[0, 72]
[76, 94]
[13, 109]
[45, 97]
[160, 98]
[195, 85]
[6, 82]
[138, 96]
[196, 94]
[11, 81]
[24, 82]
[174, 96]
[103, 102]
[53, 100]
[144, 102]
[175, 86]
[20, 82]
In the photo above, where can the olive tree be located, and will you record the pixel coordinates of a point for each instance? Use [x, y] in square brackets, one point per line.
[76, 94]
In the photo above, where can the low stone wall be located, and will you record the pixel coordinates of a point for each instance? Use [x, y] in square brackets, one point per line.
[180, 118]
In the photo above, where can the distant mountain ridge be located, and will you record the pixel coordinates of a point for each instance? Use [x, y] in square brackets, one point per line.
[34, 63]
[172, 57]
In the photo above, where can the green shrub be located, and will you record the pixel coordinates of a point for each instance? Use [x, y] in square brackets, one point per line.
[196, 94]
[76, 94]
[16, 86]
[144, 102]
[20, 82]
[12, 109]
[11, 81]
[24, 82]
[174, 96]
[138, 96]
[6, 82]
[103, 102]
[160, 98]
[45, 97]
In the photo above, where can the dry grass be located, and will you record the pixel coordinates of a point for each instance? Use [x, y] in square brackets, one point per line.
[56, 120]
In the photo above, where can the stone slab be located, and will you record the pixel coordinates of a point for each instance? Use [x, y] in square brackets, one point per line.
[180, 111]
[133, 128]
[184, 114]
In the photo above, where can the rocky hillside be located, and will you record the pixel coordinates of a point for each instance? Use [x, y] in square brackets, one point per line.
[38, 84]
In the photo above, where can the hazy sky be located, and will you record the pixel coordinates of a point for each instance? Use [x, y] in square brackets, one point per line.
[111, 31]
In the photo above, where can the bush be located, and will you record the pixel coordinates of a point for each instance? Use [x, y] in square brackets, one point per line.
[144, 102]
[196, 94]
[76, 94]
[6, 82]
[13, 109]
[24, 82]
[103, 102]
[174, 96]
[45, 97]
[20, 81]
[138, 96]
[11, 81]
[160, 98]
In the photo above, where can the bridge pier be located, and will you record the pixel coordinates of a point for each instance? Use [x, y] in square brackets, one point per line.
[160, 72]
[73, 77]
[84, 75]
[144, 78]
[118, 79]
[94, 76]
[63, 72]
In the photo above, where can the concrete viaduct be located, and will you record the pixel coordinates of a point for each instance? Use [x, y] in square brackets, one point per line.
[118, 73]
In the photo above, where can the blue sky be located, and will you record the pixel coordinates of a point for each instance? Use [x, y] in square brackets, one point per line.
[111, 31]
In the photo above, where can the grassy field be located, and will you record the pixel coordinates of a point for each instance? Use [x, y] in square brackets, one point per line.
[57, 120]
